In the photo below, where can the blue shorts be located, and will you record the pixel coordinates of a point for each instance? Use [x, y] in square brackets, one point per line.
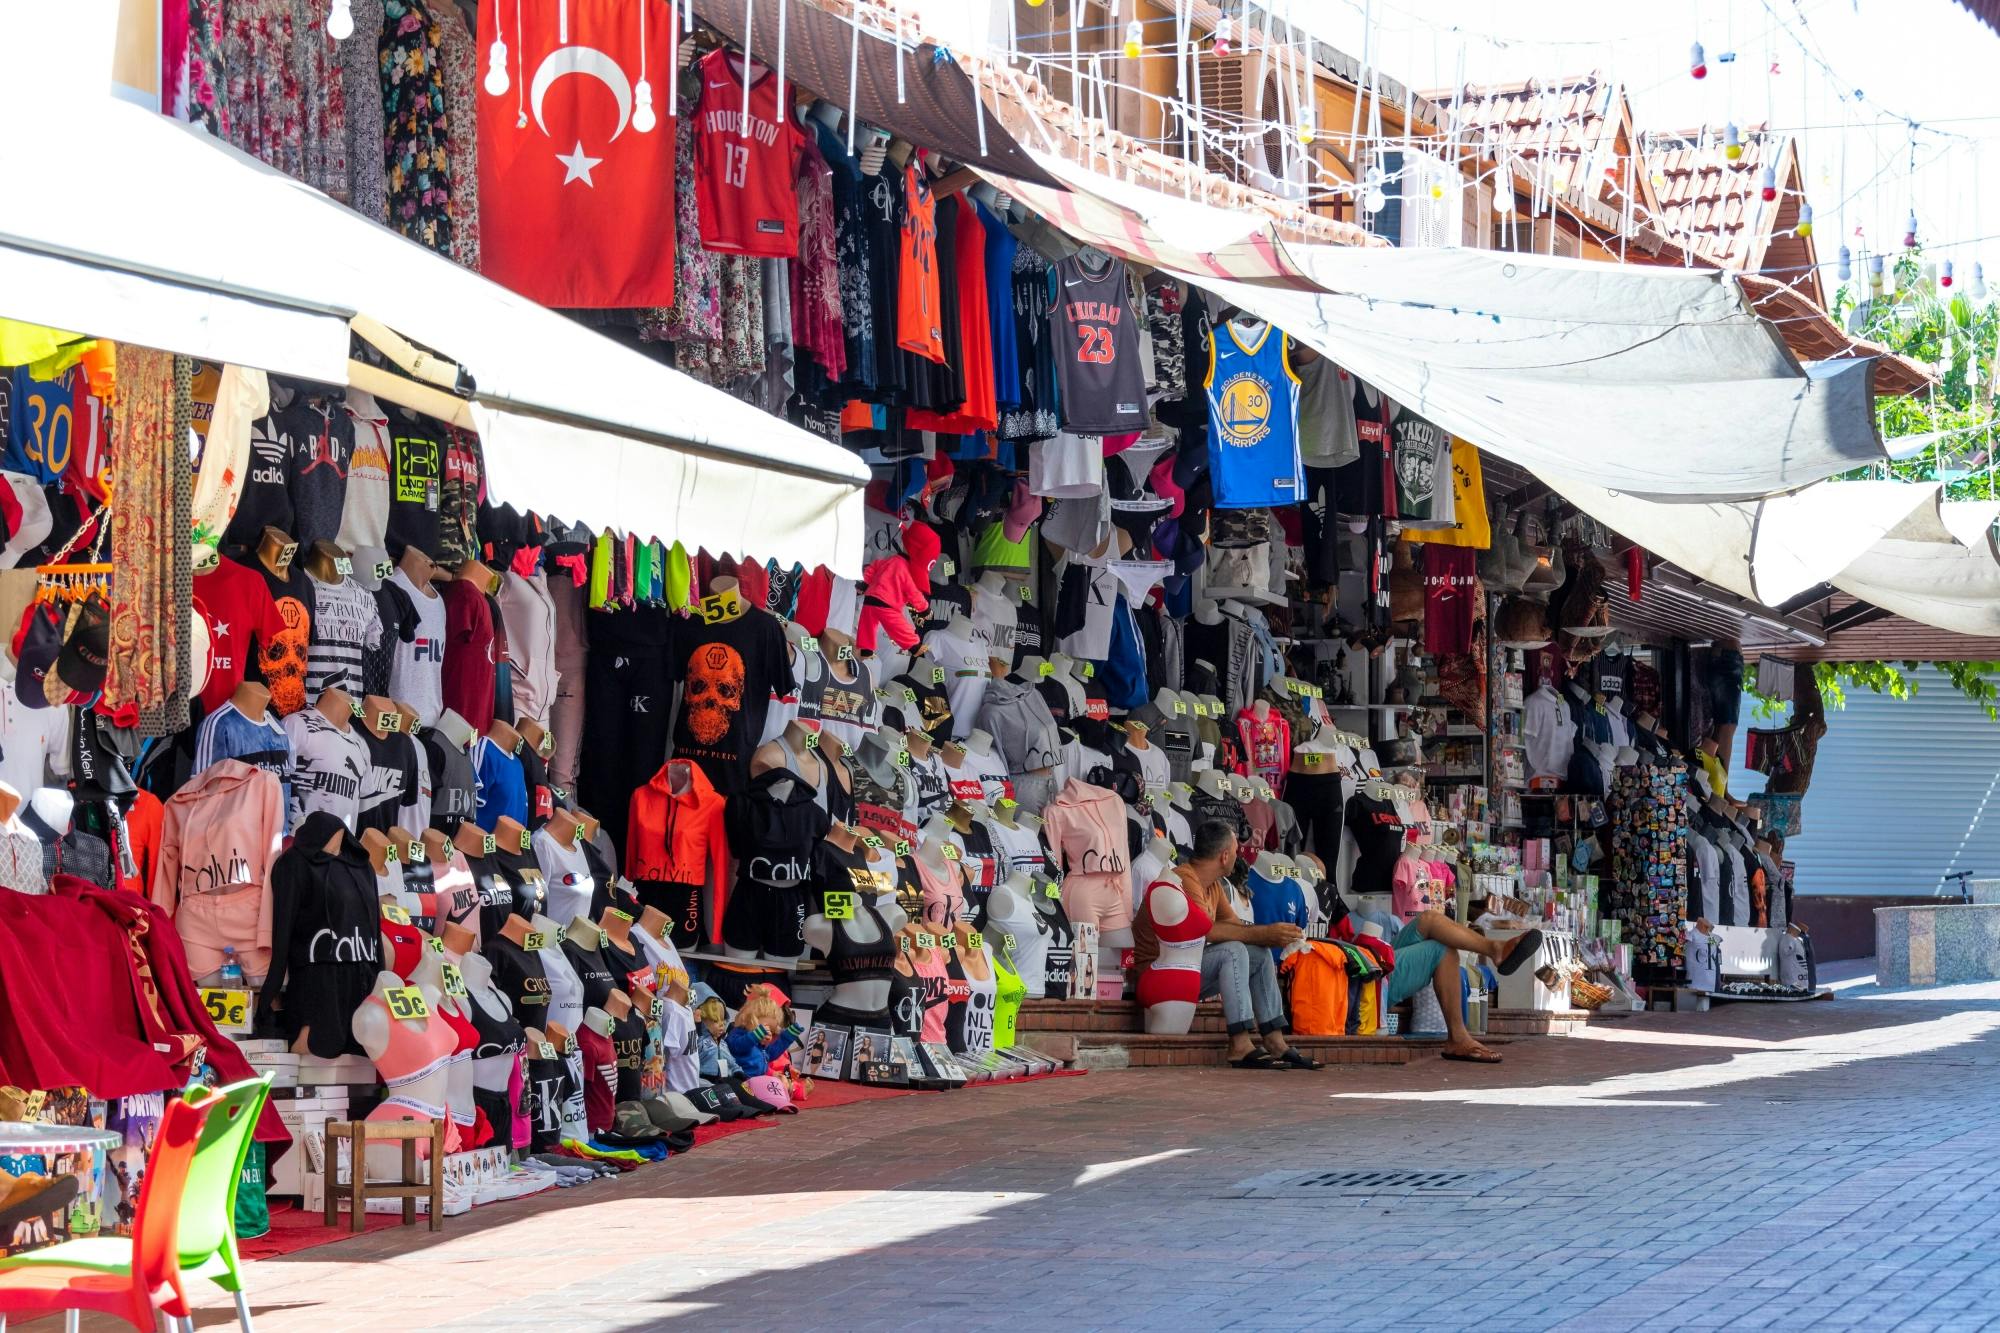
[1417, 961]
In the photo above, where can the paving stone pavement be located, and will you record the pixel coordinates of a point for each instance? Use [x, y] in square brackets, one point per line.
[1818, 1166]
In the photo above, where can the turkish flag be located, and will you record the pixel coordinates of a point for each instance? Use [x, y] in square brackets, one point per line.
[576, 161]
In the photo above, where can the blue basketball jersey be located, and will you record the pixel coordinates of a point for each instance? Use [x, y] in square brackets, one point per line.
[1253, 420]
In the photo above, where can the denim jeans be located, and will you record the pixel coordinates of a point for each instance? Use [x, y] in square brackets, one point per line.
[1247, 981]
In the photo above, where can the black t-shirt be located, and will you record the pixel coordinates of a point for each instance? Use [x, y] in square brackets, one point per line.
[1378, 835]
[399, 626]
[322, 447]
[281, 660]
[416, 482]
[521, 978]
[391, 777]
[727, 673]
[266, 498]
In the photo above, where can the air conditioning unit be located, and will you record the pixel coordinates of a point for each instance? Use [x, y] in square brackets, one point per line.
[1433, 201]
[1272, 160]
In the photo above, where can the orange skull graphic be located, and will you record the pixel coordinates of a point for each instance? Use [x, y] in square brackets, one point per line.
[714, 691]
[283, 659]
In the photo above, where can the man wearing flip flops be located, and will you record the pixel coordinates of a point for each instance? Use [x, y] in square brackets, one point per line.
[1236, 964]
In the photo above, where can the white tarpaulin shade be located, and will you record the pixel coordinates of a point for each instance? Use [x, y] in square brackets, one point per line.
[1766, 551]
[1658, 382]
[1939, 567]
[159, 235]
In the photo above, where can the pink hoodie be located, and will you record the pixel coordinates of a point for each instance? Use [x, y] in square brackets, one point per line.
[218, 837]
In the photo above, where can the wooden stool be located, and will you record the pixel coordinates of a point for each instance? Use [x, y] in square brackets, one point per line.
[409, 1189]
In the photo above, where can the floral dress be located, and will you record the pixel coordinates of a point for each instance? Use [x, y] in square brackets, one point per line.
[323, 101]
[460, 57]
[361, 90]
[416, 143]
[265, 102]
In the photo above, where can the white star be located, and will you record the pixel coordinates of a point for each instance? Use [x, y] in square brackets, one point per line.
[576, 166]
[221, 630]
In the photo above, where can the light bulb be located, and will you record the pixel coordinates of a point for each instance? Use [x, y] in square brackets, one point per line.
[1224, 32]
[643, 119]
[1503, 200]
[1135, 39]
[1875, 273]
[1910, 231]
[1979, 282]
[1036, 4]
[1375, 201]
[1770, 190]
[1846, 264]
[340, 21]
[1698, 62]
[497, 81]
[1437, 191]
[1944, 274]
[1305, 131]
[1805, 220]
[1372, 178]
[1732, 143]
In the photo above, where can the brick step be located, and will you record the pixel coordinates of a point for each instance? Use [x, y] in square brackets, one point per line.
[1140, 1050]
[1122, 1016]
[1536, 1022]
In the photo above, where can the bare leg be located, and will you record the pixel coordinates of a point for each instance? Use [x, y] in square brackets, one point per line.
[1444, 984]
[1437, 926]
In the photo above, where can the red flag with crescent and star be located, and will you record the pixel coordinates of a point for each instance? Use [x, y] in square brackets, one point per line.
[576, 160]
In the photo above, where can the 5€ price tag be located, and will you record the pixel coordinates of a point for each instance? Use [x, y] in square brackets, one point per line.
[937, 675]
[926, 940]
[406, 1002]
[1052, 890]
[487, 844]
[391, 912]
[454, 980]
[974, 940]
[229, 1008]
[950, 851]
[535, 941]
[839, 905]
[414, 851]
[527, 840]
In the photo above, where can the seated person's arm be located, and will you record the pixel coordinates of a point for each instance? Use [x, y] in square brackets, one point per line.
[1227, 926]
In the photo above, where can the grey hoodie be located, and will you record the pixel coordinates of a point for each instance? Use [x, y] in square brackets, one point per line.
[1023, 729]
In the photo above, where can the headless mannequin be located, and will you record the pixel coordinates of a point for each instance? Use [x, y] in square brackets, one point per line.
[252, 699]
[1163, 985]
[327, 562]
[797, 749]
[1214, 782]
[421, 1091]
[336, 706]
[860, 930]
[455, 729]
[429, 975]
[276, 550]
[478, 575]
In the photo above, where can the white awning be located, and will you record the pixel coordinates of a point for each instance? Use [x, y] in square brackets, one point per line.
[164, 237]
[1940, 567]
[1660, 382]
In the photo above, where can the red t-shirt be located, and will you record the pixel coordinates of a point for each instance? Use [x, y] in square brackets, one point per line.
[239, 608]
[468, 653]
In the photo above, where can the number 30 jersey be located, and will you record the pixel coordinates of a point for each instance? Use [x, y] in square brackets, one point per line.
[1100, 382]
[746, 195]
[1253, 418]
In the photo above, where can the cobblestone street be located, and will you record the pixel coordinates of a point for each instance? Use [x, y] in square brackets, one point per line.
[1777, 1166]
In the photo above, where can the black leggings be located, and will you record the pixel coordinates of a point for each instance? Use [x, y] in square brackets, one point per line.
[1317, 800]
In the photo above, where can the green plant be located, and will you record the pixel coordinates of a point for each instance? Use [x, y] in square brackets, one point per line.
[1977, 681]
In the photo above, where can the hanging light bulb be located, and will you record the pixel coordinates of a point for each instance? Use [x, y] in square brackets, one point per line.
[1372, 178]
[1437, 190]
[1944, 274]
[1875, 273]
[1846, 269]
[1910, 231]
[643, 118]
[1224, 32]
[1036, 4]
[1503, 199]
[497, 81]
[1375, 201]
[1698, 62]
[1979, 282]
[1306, 128]
[1770, 190]
[1804, 228]
[1135, 39]
[1732, 143]
[340, 21]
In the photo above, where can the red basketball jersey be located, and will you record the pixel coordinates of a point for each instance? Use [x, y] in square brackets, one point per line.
[743, 185]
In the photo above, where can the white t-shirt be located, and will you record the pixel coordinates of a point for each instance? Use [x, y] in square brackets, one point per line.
[34, 744]
[328, 767]
[364, 515]
[345, 625]
[416, 671]
[998, 616]
[531, 645]
[566, 872]
[1092, 643]
[1154, 770]
[1068, 467]
[1548, 733]
[966, 674]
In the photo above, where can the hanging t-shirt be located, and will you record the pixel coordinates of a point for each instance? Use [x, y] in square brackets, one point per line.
[322, 445]
[1326, 415]
[239, 611]
[1253, 420]
[727, 672]
[266, 498]
[1422, 462]
[49, 424]
[416, 670]
[469, 658]
[416, 482]
[364, 514]
[1102, 380]
[919, 306]
[345, 626]
[329, 766]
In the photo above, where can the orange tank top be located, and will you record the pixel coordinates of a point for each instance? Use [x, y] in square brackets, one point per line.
[919, 309]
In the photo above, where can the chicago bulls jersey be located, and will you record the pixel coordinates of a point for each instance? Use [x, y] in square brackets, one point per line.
[1102, 385]
[743, 185]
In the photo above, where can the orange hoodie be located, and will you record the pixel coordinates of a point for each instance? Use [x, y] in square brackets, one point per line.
[675, 837]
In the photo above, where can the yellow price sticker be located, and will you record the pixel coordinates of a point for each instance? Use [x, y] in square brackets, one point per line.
[527, 840]
[406, 1002]
[926, 940]
[974, 940]
[229, 1008]
[535, 941]
[839, 906]
[414, 851]
[454, 980]
[391, 912]
[487, 844]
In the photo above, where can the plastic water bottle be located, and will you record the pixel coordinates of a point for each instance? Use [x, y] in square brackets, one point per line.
[232, 971]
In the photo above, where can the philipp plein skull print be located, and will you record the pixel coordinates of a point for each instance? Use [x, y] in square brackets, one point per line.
[727, 673]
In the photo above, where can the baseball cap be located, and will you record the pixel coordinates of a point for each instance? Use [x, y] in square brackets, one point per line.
[709, 1101]
[85, 657]
[666, 1118]
[680, 1106]
[36, 644]
[630, 1121]
[771, 1090]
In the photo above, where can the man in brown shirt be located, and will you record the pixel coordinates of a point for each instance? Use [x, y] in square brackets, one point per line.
[1236, 962]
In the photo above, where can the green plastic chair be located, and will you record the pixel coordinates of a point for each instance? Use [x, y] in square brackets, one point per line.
[207, 1235]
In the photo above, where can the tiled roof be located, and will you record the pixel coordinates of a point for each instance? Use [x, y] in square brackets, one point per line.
[1710, 204]
[1569, 123]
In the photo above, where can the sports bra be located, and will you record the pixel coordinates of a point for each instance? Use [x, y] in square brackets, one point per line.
[496, 1036]
[849, 960]
[406, 947]
[796, 763]
[416, 1049]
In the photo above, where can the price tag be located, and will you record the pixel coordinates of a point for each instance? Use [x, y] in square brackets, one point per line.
[903, 942]
[1052, 890]
[545, 1050]
[389, 721]
[871, 841]
[406, 1002]
[569, 1044]
[812, 740]
[620, 913]
[720, 606]
[902, 846]
[950, 852]
[548, 745]
[902, 759]
[454, 980]
[1047, 669]
[230, 1009]
[844, 653]
[343, 566]
[1007, 943]
[974, 940]
[909, 696]
[1089, 671]
[535, 942]
[434, 944]
[807, 643]
[947, 566]
[1180, 708]
[392, 853]
[1027, 593]
[391, 912]
[937, 675]
[839, 906]
[354, 707]
[926, 940]
[413, 850]
[487, 845]
[526, 840]
[1311, 759]
[383, 569]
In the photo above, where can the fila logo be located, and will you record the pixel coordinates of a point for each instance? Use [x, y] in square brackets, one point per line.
[428, 650]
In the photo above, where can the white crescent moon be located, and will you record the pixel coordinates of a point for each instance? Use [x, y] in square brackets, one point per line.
[587, 61]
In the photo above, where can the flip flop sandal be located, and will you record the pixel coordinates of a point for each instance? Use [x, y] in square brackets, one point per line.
[1258, 1060]
[1296, 1060]
[1522, 950]
[1484, 1058]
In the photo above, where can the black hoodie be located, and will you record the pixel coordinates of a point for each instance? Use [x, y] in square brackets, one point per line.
[326, 934]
